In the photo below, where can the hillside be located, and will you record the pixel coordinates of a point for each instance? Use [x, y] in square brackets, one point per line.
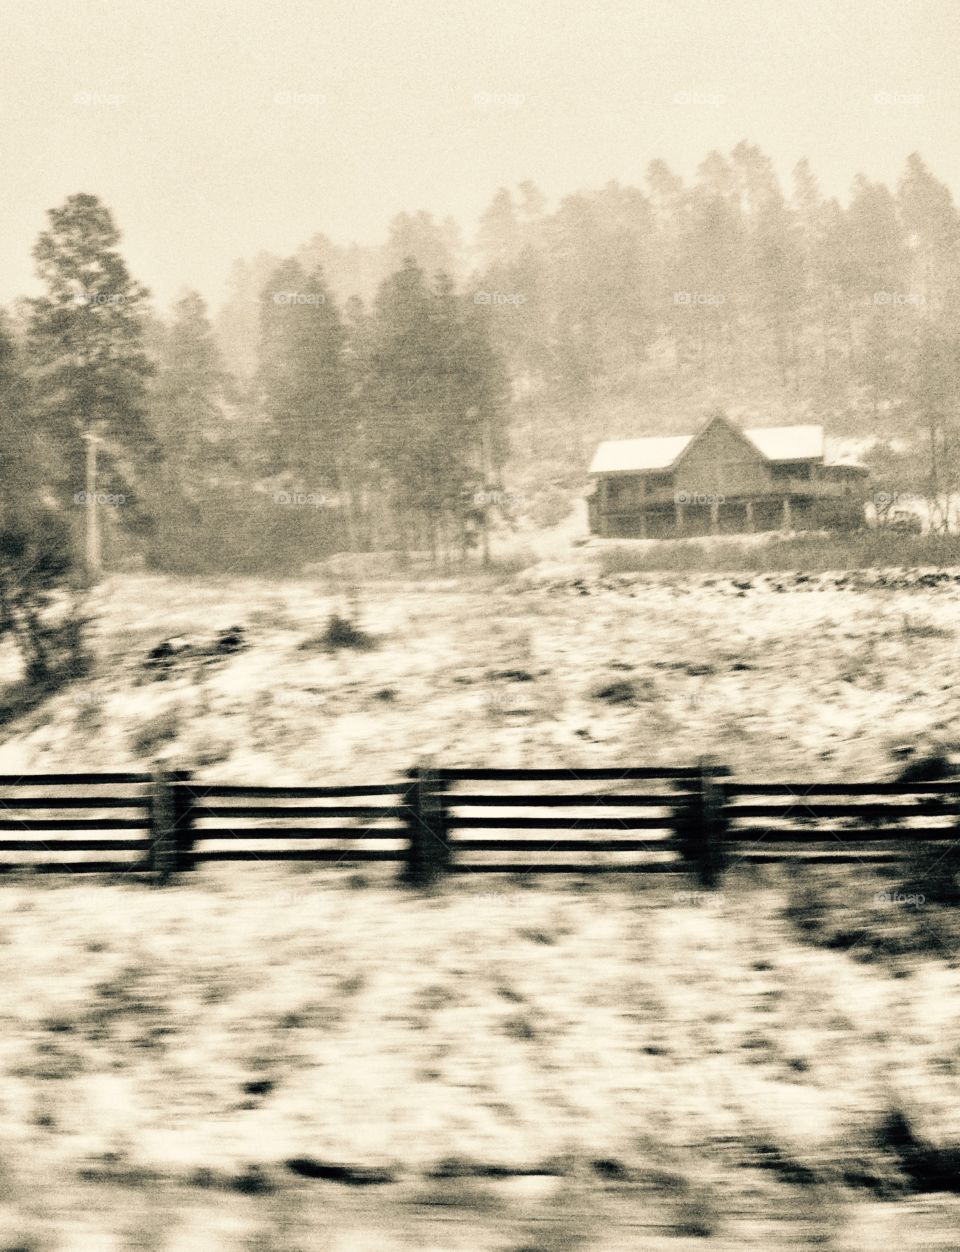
[798, 672]
[279, 1059]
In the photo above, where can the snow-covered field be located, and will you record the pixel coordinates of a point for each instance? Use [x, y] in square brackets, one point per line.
[261, 1058]
[772, 673]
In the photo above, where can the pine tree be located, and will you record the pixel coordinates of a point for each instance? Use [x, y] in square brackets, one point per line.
[878, 260]
[433, 246]
[86, 341]
[777, 280]
[816, 304]
[933, 383]
[713, 258]
[302, 381]
[187, 403]
[931, 228]
[363, 478]
[400, 388]
[437, 393]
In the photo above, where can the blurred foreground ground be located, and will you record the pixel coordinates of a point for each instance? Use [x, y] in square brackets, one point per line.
[268, 1060]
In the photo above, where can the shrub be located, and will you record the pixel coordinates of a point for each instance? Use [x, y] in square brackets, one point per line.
[148, 738]
[36, 565]
[340, 632]
[237, 531]
[620, 691]
[816, 552]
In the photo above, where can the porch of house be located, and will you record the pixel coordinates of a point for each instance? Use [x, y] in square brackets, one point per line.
[699, 517]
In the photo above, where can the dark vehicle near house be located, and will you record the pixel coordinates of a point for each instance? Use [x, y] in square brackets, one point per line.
[904, 522]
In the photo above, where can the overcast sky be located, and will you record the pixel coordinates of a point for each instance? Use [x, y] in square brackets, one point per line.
[216, 128]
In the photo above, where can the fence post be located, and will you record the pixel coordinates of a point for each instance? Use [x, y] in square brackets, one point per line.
[171, 824]
[428, 850]
[714, 822]
[700, 824]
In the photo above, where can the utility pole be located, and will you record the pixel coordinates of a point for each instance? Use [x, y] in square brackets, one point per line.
[93, 532]
[485, 479]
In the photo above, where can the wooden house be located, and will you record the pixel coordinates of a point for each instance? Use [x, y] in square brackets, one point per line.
[723, 480]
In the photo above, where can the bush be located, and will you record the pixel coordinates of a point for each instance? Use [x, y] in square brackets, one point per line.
[513, 560]
[340, 632]
[815, 552]
[241, 532]
[618, 691]
[36, 568]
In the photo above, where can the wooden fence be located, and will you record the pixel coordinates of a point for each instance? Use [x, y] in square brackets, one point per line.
[48, 820]
[435, 821]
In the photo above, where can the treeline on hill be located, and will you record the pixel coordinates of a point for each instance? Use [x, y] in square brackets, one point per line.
[370, 397]
[633, 310]
[361, 428]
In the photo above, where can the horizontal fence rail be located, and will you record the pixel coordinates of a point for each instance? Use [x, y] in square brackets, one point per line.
[40, 832]
[323, 825]
[474, 820]
[571, 821]
[71, 780]
[838, 822]
[802, 791]
[607, 773]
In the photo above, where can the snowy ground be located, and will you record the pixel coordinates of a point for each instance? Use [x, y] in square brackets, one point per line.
[604, 1066]
[600, 1064]
[772, 673]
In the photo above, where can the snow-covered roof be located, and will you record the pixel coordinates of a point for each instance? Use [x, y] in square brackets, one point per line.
[788, 443]
[657, 452]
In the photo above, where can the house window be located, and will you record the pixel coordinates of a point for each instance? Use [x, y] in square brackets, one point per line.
[660, 482]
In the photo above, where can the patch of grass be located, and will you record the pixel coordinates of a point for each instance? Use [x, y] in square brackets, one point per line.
[876, 918]
[513, 562]
[253, 1180]
[771, 1156]
[914, 629]
[932, 872]
[27, 1242]
[621, 691]
[697, 1215]
[339, 632]
[927, 1167]
[520, 1028]
[27, 693]
[153, 734]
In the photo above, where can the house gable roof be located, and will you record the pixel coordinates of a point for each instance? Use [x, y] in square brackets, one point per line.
[732, 432]
[656, 452]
